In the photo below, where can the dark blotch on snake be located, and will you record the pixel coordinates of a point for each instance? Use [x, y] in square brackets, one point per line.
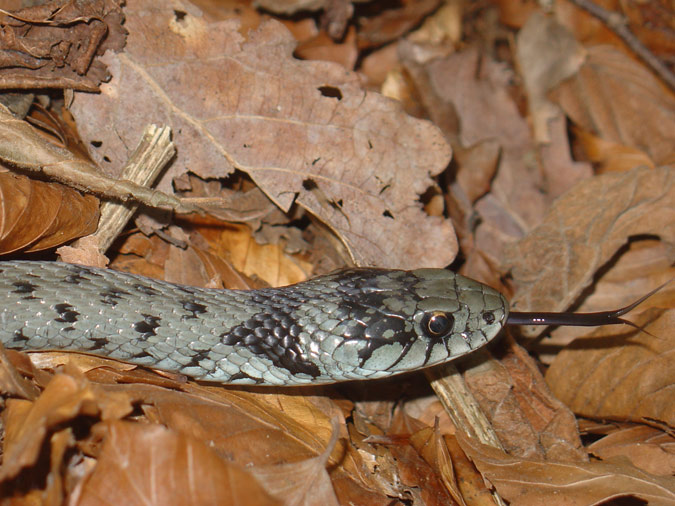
[112, 296]
[267, 336]
[147, 290]
[66, 313]
[24, 287]
[193, 308]
[147, 327]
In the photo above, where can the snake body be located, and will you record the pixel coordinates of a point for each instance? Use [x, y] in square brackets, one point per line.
[349, 325]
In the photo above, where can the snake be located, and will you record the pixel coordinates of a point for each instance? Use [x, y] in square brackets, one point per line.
[353, 324]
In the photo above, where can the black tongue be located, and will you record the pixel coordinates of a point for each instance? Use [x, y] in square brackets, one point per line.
[579, 319]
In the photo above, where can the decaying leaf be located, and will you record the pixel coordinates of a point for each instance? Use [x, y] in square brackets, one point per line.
[54, 44]
[466, 95]
[547, 54]
[612, 95]
[28, 423]
[529, 420]
[525, 481]
[648, 448]
[620, 373]
[312, 136]
[302, 483]
[23, 147]
[306, 132]
[37, 215]
[172, 470]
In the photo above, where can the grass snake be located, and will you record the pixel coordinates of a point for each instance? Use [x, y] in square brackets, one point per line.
[353, 324]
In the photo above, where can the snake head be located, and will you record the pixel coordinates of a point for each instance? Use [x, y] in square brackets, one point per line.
[397, 321]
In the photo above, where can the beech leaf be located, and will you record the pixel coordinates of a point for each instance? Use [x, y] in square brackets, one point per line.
[305, 131]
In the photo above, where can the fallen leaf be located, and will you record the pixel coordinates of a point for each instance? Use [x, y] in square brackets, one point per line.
[172, 469]
[466, 94]
[527, 417]
[27, 423]
[54, 44]
[642, 266]
[611, 156]
[648, 448]
[390, 24]
[303, 483]
[223, 98]
[547, 55]
[621, 101]
[36, 215]
[23, 147]
[618, 373]
[532, 482]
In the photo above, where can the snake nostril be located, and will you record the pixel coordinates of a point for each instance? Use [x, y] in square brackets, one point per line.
[488, 317]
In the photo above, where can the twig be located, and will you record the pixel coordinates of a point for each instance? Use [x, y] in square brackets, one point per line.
[463, 409]
[144, 166]
[617, 23]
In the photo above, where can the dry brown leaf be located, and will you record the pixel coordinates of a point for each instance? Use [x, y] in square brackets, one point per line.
[293, 126]
[246, 427]
[618, 373]
[266, 261]
[421, 480]
[12, 382]
[584, 229]
[53, 45]
[536, 483]
[529, 420]
[322, 47]
[646, 447]
[291, 6]
[471, 484]
[610, 156]
[28, 423]
[37, 215]
[171, 469]
[430, 445]
[303, 483]
[547, 54]
[390, 24]
[22, 146]
[620, 101]
[466, 94]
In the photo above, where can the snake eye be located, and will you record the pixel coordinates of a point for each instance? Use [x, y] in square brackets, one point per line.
[438, 324]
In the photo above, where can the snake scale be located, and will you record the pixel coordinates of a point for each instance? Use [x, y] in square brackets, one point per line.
[350, 325]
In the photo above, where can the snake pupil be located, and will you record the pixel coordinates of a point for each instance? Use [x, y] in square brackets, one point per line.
[439, 324]
[488, 317]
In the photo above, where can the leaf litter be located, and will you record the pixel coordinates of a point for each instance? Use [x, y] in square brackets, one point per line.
[310, 138]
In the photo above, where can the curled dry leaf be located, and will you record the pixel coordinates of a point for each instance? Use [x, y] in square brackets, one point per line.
[525, 481]
[23, 147]
[305, 132]
[529, 420]
[547, 54]
[54, 44]
[584, 229]
[467, 95]
[27, 424]
[303, 483]
[618, 373]
[648, 448]
[172, 469]
[37, 215]
[619, 100]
